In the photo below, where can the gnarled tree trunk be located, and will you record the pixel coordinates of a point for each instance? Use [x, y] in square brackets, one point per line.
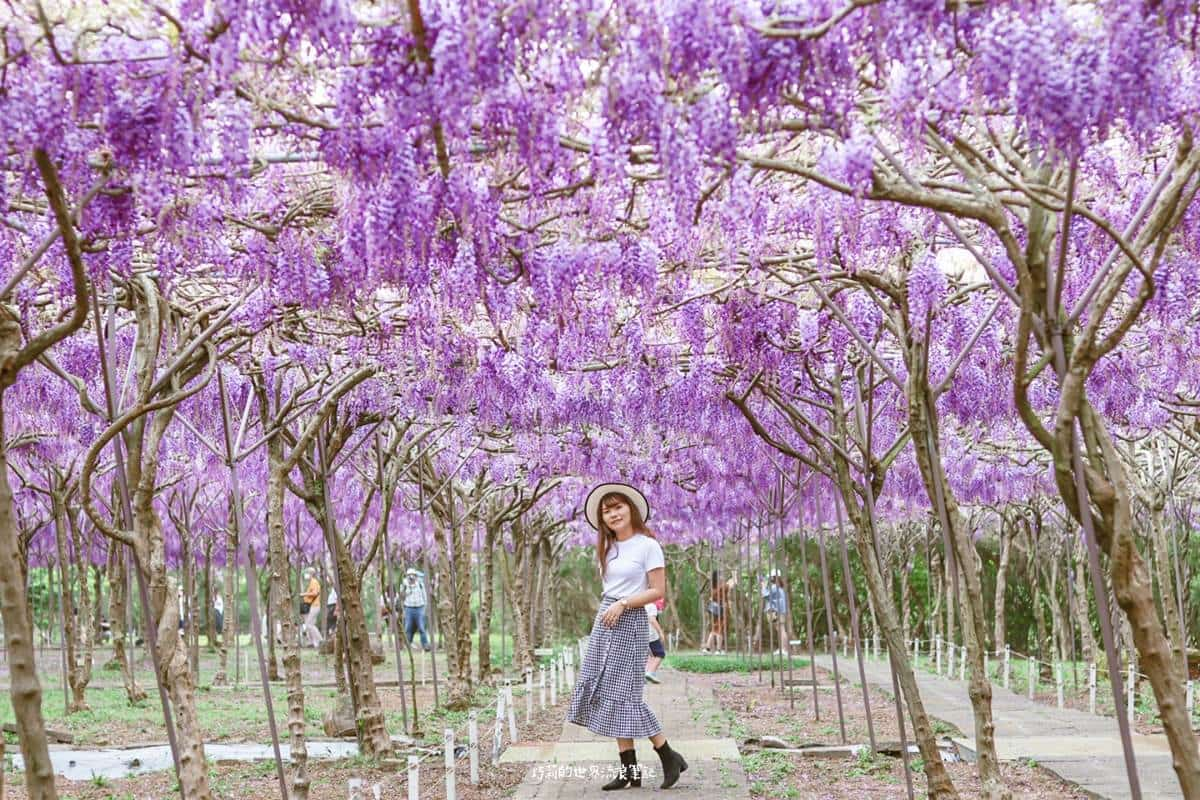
[455, 610]
[375, 738]
[118, 598]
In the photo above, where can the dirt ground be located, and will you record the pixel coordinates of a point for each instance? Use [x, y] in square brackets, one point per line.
[756, 709]
[329, 779]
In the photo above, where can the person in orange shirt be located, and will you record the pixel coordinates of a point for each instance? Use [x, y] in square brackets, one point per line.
[310, 608]
[718, 609]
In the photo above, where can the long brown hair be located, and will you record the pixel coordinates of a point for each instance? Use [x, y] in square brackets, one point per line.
[605, 537]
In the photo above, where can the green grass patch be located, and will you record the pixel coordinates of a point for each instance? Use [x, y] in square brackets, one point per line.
[710, 664]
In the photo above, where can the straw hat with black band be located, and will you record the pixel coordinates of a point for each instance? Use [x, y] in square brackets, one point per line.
[591, 508]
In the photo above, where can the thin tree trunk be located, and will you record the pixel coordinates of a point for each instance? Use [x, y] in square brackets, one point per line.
[979, 688]
[1000, 632]
[1162, 561]
[1082, 605]
[210, 623]
[269, 608]
[191, 632]
[24, 689]
[935, 611]
[1058, 622]
[518, 600]
[279, 567]
[97, 576]
[71, 622]
[938, 780]
[83, 671]
[485, 603]
[229, 628]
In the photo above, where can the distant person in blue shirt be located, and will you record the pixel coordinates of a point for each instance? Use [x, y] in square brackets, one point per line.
[414, 606]
[775, 603]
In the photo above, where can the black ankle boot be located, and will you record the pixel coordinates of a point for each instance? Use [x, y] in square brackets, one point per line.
[672, 763]
[630, 774]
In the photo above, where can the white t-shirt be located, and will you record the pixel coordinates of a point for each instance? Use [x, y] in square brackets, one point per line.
[628, 563]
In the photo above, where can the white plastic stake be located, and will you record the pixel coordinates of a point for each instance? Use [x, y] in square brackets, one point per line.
[473, 745]
[498, 730]
[554, 683]
[528, 697]
[1058, 683]
[916, 649]
[542, 687]
[1007, 665]
[512, 714]
[414, 778]
[1091, 688]
[451, 786]
[962, 663]
[939, 655]
[354, 788]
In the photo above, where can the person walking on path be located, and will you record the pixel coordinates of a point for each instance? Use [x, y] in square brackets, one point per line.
[219, 613]
[331, 612]
[607, 699]
[718, 605]
[310, 609]
[414, 606]
[776, 606]
[657, 651]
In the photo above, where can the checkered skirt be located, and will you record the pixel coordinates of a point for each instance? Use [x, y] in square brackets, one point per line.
[608, 691]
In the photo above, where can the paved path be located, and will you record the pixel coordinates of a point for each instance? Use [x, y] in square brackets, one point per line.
[1080, 748]
[578, 763]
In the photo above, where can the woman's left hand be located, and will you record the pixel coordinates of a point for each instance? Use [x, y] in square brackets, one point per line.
[613, 614]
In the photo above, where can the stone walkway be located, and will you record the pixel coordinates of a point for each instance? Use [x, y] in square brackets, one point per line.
[578, 763]
[1080, 748]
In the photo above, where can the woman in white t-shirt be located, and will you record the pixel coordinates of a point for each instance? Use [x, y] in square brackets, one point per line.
[607, 699]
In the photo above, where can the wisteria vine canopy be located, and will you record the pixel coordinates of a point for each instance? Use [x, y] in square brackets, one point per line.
[577, 228]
